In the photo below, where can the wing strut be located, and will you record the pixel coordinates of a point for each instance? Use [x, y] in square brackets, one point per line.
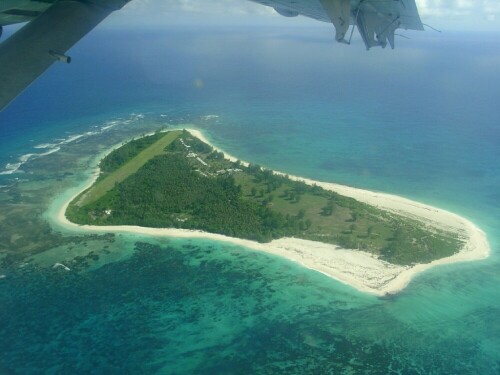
[29, 52]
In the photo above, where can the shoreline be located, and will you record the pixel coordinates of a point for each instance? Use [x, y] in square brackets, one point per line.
[356, 268]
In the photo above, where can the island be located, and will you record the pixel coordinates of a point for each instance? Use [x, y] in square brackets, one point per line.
[176, 183]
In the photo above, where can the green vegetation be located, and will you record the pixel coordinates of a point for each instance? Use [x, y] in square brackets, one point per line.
[175, 180]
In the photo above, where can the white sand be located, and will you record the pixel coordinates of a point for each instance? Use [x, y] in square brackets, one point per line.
[359, 269]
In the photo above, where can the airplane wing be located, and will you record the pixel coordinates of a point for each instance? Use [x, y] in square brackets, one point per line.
[376, 20]
[53, 28]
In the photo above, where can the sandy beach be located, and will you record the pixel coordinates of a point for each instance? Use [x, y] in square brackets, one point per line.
[358, 269]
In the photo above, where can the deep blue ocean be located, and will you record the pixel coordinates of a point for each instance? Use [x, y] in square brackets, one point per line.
[422, 121]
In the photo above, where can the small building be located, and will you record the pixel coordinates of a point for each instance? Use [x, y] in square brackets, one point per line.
[201, 161]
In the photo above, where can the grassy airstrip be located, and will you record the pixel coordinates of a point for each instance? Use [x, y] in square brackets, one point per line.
[102, 186]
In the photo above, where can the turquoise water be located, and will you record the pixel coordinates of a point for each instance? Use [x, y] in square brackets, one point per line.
[421, 122]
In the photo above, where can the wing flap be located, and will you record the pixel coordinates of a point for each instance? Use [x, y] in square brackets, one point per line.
[34, 48]
[339, 12]
[377, 21]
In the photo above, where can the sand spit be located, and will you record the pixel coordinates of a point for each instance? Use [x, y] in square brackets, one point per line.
[358, 269]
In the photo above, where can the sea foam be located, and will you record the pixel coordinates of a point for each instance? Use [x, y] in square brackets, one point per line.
[56, 144]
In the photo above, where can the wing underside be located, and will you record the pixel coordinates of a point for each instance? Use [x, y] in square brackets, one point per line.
[376, 20]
